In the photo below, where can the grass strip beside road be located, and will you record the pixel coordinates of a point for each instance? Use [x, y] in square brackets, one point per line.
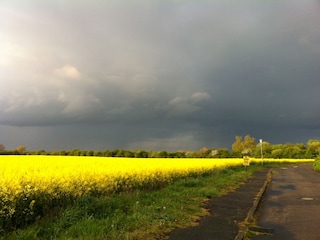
[316, 164]
[140, 214]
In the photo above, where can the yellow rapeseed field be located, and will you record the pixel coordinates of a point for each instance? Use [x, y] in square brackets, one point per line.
[30, 183]
[80, 175]
[34, 180]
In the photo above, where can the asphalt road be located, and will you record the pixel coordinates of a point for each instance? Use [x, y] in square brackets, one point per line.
[226, 212]
[290, 207]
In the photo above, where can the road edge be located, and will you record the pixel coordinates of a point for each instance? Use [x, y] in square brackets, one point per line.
[243, 227]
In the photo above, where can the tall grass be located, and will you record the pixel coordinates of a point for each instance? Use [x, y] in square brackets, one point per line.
[316, 164]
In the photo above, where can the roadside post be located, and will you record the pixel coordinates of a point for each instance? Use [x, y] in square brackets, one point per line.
[246, 162]
[261, 152]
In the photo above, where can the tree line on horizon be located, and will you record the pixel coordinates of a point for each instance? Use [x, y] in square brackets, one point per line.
[246, 146]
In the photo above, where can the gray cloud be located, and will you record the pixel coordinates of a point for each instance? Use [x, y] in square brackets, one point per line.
[173, 75]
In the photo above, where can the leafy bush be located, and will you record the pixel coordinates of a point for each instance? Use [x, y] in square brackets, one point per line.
[316, 164]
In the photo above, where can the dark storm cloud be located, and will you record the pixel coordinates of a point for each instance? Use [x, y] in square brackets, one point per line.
[173, 75]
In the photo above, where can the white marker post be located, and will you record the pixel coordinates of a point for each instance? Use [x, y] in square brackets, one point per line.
[261, 151]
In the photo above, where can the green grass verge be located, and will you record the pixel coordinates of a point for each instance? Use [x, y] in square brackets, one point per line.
[316, 164]
[138, 215]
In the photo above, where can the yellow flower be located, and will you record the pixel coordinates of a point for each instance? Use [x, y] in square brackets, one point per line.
[59, 176]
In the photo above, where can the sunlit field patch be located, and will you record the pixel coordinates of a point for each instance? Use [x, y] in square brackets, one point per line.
[282, 160]
[33, 185]
[81, 175]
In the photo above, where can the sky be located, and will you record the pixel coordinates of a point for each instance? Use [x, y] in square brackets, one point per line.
[158, 75]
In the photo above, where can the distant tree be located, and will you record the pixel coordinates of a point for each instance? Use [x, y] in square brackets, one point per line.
[9, 152]
[90, 153]
[288, 150]
[74, 152]
[122, 153]
[21, 149]
[223, 153]
[298, 151]
[249, 144]
[266, 148]
[203, 152]
[128, 154]
[214, 153]
[114, 152]
[55, 153]
[190, 154]
[237, 146]
[83, 153]
[313, 148]
[314, 143]
[2, 148]
[181, 154]
[98, 153]
[107, 153]
[310, 153]
[172, 155]
[277, 153]
[63, 153]
[245, 146]
[151, 154]
[140, 154]
[38, 152]
[162, 154]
